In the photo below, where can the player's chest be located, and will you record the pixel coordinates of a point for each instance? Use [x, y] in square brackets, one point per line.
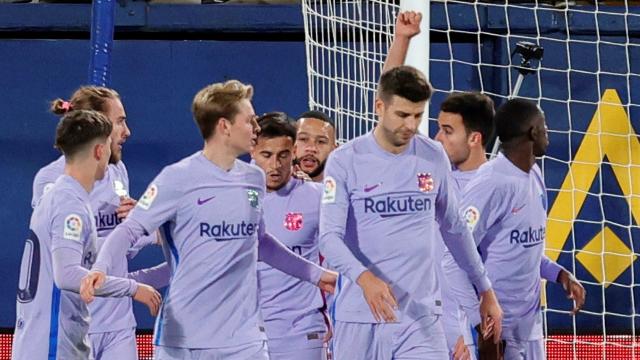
[105, 199]
[222, 203]
[407, 187]
[524, 225]
[293, 220]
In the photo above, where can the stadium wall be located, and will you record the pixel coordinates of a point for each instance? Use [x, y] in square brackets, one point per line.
[165, 53]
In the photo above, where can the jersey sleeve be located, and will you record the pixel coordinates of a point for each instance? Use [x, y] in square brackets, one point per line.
[159, 202]
[42, 182]
[71, 226]
[550, 269]
[334, 210]
[454, 232]
[483, 205]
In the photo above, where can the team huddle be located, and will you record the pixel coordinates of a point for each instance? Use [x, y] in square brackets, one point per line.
[414, 248]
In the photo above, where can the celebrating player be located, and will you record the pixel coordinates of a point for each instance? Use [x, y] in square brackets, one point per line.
[315, 140]
[291, 308]
[383, 193]
[209, 207]
[113, 325]
[52, 321]
[505, 206]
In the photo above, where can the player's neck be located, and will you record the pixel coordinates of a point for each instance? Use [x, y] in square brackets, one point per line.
[220, 155]
[521, 156]
[79, 171]
[474, 161]
[381, 140]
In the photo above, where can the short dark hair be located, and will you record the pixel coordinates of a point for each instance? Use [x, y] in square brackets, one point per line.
[406, 82]
[476, 110]
[276, 124]
[514, 117]
[78, 128]
[316, 114]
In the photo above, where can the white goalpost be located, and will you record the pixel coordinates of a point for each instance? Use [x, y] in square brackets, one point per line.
[587, 83]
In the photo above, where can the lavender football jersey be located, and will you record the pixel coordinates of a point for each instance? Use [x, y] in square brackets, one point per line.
[506, 209]
[210, 219]
[289, 305]
[460, 300]
[107, 314]
[380, 212]
[52, 321]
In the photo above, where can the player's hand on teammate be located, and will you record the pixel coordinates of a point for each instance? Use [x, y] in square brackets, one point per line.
[299, 174]
[148, 296]
[90, 283]
[491, 315]
[408, 24]
[126, 205]
[460, 350]
[379, 296]
[573, 289]
[328, 281]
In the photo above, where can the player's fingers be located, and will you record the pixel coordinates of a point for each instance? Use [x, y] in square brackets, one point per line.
[497, 333]
[99, 281]
[402, 17]
[391, 298]
[387, 311]
[127, 201]
[373, 311]
[418, 18]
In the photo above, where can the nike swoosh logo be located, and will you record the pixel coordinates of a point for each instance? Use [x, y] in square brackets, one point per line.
[370, 188]
[202, 201]
[515, 210]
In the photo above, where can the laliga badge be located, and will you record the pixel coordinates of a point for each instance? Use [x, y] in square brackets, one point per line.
[425, 182]
[147, 198]
[252, 196]
[471, 216]
[293, 221]
[329, 193]
[73, 228]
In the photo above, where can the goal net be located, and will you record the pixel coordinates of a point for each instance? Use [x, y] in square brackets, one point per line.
[588, 84]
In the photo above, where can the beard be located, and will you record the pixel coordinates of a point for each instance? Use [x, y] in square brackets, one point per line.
[315, 172]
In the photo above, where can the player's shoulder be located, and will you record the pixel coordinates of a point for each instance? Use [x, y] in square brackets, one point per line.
[491, 178]
[308, 186]
[253, 173]
[429, 149]
[352, 147]
[119, 169]
[65, 196]
[179, 170]
[50, 172]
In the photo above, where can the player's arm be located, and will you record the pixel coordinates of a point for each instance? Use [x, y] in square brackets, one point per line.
[67, 259]
[461, 289]
[333, 221]
[157, 276]
[458, 239]
[554, 272]
[407, 26]
[276, 254]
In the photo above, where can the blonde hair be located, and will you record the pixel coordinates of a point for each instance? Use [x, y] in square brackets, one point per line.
[85, 98]
[218, 101]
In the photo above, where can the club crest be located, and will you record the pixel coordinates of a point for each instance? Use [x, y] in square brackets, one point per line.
[293, 221]
[252, 196]
[425, 182]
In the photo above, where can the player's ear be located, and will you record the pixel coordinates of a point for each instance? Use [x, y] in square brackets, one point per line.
[533, 133]
[98, 151]
[224, 125]
[475, 138]
[379, 104]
